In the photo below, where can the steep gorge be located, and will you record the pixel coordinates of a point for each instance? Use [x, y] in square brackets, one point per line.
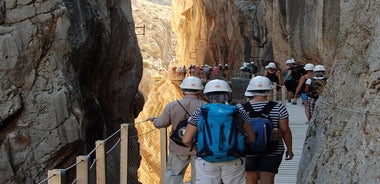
[70, 73]
[340, 35]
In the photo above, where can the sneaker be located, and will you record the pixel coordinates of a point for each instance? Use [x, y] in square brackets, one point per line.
[294, 103]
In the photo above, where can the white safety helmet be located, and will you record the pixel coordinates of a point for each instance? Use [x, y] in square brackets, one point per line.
[192, 83]
[258, 83]
[319, 68]
[217, 85]
[272, 65]
[290, 61]
[309, 67]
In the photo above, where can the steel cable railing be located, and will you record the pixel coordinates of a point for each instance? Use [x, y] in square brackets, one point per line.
[58, 172]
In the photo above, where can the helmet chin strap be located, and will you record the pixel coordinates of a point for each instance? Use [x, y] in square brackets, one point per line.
[191, 93]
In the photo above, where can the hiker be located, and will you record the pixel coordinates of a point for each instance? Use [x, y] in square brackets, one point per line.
[226, 73]
[265, 166]
[297, 72]
[315, 86]
[300, 91]
[218, 164]
[274, 75]
[179, 156]
[289, 82]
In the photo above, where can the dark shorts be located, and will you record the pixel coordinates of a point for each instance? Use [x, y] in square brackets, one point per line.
[291, 85]
[263, 163]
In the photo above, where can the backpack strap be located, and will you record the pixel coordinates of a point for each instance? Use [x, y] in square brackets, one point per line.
[251, 112]
[183, 108]
[264, 113]
[268, 107]
[248, 108]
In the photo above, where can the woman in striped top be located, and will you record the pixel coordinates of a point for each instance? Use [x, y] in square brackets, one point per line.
[264, 167]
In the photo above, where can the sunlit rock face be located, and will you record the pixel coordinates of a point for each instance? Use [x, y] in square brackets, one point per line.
[69, 74]
[221, 32]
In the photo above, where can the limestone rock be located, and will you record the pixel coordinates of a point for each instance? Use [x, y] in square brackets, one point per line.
[69, 74]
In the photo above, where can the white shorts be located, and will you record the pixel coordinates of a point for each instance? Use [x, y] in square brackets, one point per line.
[228, 172]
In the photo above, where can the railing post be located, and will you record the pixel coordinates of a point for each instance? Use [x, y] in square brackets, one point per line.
[124, 154]
[274, 92]
[100, 162]
[57, 176]
[163, 151]
[82, 169]
[283, 95]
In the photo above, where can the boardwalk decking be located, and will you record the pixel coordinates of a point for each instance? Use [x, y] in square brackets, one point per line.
[288, 169]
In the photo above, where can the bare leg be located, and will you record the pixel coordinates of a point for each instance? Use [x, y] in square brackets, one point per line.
[267, 177]
[252, 177]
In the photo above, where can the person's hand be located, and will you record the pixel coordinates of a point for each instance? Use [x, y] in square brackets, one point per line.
[289, 155]
[152, 118]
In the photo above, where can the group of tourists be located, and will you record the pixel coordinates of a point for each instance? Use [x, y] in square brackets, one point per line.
[240, 143]
[306, 81]
[222, 141]
[205, 72]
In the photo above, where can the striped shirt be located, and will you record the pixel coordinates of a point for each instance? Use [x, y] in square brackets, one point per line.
[277, 113]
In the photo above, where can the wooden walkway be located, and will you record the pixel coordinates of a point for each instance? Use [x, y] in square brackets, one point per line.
[297, 121]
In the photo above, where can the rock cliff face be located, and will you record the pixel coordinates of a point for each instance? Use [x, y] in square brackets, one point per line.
[221, 32]
[69, 74]
[342, 144]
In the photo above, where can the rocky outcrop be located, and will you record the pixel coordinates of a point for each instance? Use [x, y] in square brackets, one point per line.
[69, 75]
[342, 144]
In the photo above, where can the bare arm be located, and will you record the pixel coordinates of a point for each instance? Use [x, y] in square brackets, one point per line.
[302, 80]
[287, 135]
[249, 131]
[279, 73]
[190, 132]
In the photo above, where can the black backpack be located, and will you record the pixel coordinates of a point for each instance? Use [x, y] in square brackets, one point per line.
[179, 131]
[298, 72]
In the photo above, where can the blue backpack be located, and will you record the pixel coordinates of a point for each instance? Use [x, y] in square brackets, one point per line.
[263, 129]
[218, 139]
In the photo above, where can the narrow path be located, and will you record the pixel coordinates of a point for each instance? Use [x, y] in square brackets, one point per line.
[297, 121]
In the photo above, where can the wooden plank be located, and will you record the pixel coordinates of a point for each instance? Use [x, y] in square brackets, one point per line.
[163, 151]
[82, 170]
[124, 154]
[100, 162]
[287, 173]
[57, 176]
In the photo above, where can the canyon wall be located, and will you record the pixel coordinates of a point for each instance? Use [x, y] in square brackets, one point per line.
[69, 74]
[221, 32]
[342, 144]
